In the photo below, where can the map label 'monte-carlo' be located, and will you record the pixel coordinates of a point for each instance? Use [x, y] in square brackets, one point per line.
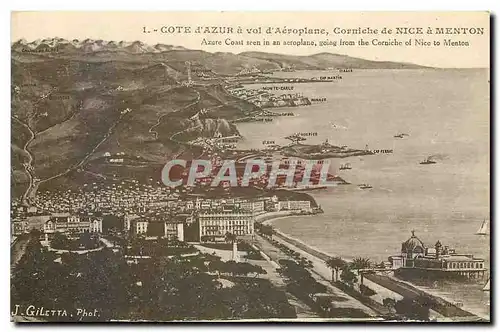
[278, 166]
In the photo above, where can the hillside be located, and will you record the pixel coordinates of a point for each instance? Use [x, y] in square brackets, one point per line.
[325, 60]
[222, 63]
[74, 101]
[79, 110]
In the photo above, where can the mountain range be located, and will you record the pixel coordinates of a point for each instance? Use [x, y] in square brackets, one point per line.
[90, 45]
[220, 62]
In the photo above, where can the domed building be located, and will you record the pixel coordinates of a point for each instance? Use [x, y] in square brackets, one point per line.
[415, 258]
[413, 247]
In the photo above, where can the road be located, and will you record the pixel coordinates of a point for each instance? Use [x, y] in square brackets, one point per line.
[301, 309]
[27, 166]
[17, 250]
[321, 276]
[85, 158]
[33, 184]
[155, 133]
[107, 242]
[444, 308]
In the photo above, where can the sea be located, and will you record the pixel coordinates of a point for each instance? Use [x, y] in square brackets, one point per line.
[445, 114]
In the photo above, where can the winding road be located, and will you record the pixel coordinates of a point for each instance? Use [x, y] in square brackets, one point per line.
[27, 166]
[90, 153]
[155, 133]
[34, 182]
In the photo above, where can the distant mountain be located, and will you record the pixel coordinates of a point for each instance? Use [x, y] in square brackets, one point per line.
[325, 60]
[89, 46]
[220, 62]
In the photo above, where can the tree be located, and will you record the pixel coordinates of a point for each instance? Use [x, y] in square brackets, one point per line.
[417, 308]
[389, 303]
[335, 264]
[247, 268]
[60, 241]
[230, 237]
[88, 241]
[359, 263]
[267, 230]
[348, 276]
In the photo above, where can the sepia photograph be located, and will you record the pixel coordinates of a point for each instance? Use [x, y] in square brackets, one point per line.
[250, 167]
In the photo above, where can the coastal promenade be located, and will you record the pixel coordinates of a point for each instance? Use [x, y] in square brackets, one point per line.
[264, 218]
[443, 307]
[446, 310]
[343, 300]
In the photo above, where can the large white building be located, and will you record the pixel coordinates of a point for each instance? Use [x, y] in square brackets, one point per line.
[72, 224]
[416, 258]
[294, 206]
[215, 225]
[253, 206]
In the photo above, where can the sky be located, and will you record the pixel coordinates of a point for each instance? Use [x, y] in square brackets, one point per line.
[132, 26]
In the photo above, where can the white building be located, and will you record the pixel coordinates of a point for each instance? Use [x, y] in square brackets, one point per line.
[73, 225]
[215, 225]
[140, 226]
[256, 206]
[127, 219]
[174, 230]
[294, 206]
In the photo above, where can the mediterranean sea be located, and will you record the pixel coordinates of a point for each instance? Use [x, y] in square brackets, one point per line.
[445, 112]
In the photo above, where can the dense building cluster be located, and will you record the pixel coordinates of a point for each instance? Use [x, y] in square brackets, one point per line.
[147, 210]
[262, 98]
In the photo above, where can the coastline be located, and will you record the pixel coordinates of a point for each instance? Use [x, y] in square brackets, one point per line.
[320, 257]
[294, 241]
[291, 241]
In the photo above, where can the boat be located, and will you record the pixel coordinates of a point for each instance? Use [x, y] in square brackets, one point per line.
[401, 135]
[483, 230]
[336, 126]
[486, 287]
[427, 161]
[345, 166]
[365, 186]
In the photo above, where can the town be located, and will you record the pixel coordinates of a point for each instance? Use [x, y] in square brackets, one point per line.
[137, 206]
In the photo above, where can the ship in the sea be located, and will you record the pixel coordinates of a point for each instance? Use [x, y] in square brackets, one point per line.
[365, 186]
[417, 260]
[483, 229]
[401, 135]
[427, 161]
[345, 167]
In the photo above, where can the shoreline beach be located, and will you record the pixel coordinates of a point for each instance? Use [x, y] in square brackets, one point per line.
[320, 257]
